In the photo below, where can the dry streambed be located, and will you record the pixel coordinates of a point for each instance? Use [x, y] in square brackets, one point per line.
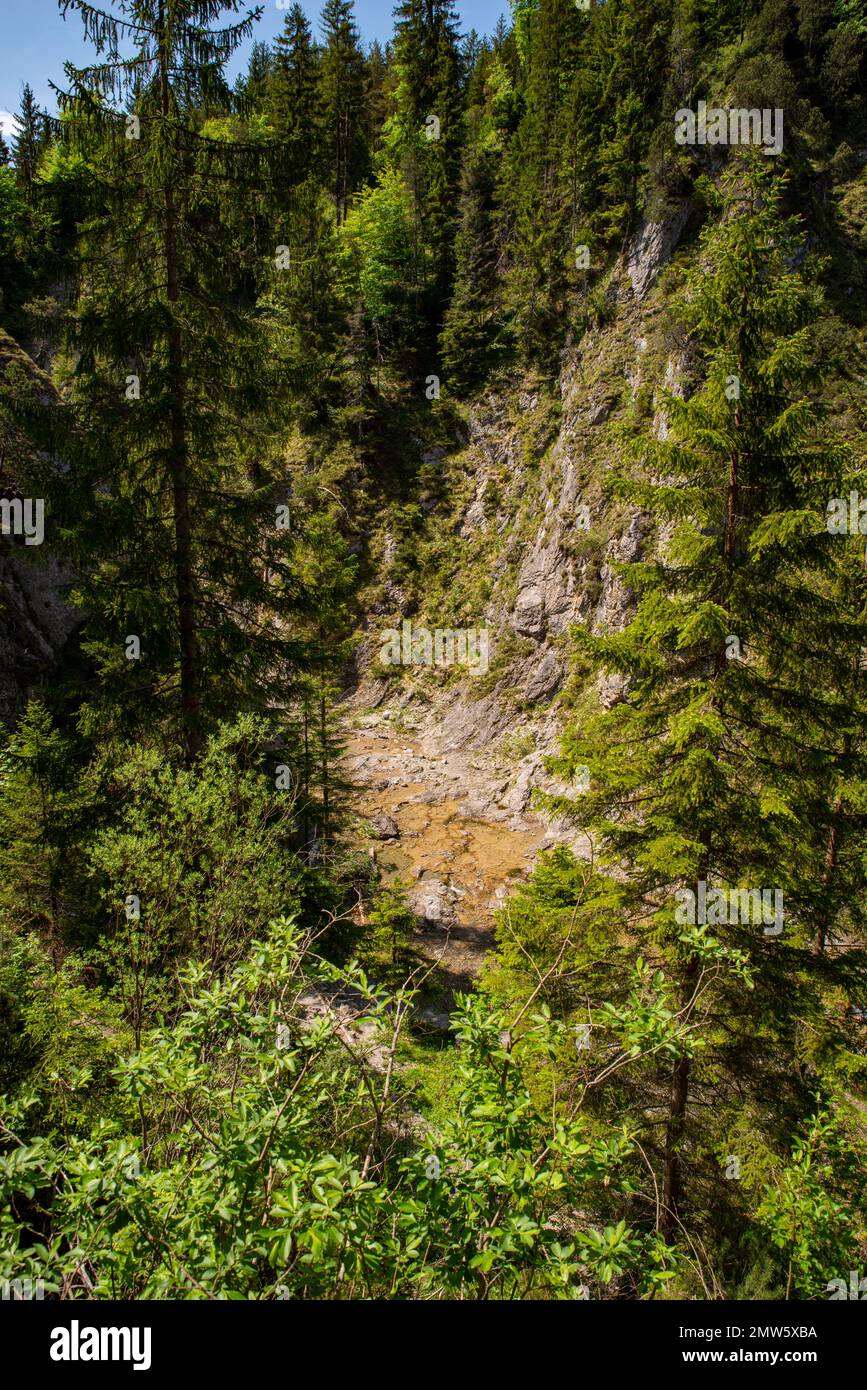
[451, 827]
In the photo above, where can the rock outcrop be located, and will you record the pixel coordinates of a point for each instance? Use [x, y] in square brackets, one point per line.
[652, 247]
[527, 507]
[36, 622]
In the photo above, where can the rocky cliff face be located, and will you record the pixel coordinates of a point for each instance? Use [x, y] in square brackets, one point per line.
[527, 543]
[35, 620]
[522, 500]
[35, 625]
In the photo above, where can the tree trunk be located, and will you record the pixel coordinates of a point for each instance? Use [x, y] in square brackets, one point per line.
[672, 1176]
[305, 819]
[180, 476]
[326, 788]
[831, 854]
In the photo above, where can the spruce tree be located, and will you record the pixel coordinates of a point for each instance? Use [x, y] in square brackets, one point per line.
[701, 775]
[534, 191]
[343, 101]
[474, 335]
[252, 87]
[293, 100]
[444, 153]
[327, 569]
[425, 137]
[171, 524]
[375, 94]
[29, 138]
[45, 816]
[611, 112]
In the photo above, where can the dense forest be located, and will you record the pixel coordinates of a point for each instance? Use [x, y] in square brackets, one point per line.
[291, 364]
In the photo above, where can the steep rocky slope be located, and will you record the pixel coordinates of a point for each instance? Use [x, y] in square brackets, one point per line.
[447, 762]
[35, 620]
[519, 537]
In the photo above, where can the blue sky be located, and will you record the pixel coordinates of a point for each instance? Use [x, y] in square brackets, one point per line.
[35, 41]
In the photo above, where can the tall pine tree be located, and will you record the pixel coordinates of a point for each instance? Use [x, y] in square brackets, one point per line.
[173, 520]
[29, 138]
[704, 777]
[343, 101]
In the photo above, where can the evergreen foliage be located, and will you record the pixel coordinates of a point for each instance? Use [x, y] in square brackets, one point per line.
[245, 332]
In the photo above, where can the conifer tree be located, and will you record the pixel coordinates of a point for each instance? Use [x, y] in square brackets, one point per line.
[474, 334]
[343, 101]
[698, 779]
[324, 568]
[170, 384]
[377, 77]
[43, 819]
[471, 49]
[611, 112]
[306, 302]
[251, 88]
[534, 191]
[425, 136]
[29, 138]
[293, 102]
[444, 163]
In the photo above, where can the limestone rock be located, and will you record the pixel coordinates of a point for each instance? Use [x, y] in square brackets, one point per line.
[385, 827]
[652, 248]
[545, 678]
[530, 612]
[433, 902]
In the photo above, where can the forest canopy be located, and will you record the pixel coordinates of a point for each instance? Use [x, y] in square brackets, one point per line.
[248, 332]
